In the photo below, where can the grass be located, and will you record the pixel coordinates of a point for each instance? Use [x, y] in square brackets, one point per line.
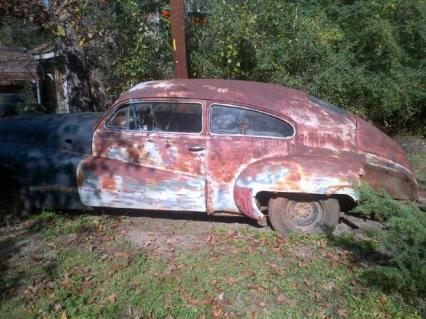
[80, 267]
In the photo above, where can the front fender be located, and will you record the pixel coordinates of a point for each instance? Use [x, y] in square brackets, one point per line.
[295, 174]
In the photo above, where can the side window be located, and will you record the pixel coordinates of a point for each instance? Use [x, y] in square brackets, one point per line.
[141, 117]
[120, 120]
[159, 116]
[178, 117]
[234, 120]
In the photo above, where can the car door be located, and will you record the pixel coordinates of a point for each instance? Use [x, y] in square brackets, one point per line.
[148, 155]
[238, 137]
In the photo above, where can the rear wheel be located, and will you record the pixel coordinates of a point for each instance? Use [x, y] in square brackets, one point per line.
[304, 215]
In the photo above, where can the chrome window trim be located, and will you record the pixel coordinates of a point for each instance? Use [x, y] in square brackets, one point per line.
[249, 109]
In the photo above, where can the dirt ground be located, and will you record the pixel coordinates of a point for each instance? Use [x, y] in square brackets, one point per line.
[161, 233]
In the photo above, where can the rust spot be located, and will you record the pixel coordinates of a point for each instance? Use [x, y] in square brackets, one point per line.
[108, 182]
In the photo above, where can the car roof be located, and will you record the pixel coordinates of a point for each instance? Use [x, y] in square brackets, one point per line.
[244, 92]
[290, 103]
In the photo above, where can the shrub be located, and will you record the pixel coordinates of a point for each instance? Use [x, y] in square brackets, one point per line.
[366, 56]
[404, 238]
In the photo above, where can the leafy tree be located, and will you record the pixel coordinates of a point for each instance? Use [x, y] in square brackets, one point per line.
[367, 56]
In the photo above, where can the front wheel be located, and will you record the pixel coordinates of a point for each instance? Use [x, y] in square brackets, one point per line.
[304, 215]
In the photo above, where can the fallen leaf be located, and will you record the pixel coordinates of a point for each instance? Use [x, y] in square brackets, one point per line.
[217, 312]
[317, 296]
[307, 282]
[343, 313]
[170, 269]
[280, 300]
[274, 269]
[148, 243]
[209, 238]
[171, 241]
[66, 280]
[89, 284]
[85, 270]
[113, 270]
[112, 298]
[220, 297]
[322, 243]
[121, 254]
[64, 315]
[383, 300]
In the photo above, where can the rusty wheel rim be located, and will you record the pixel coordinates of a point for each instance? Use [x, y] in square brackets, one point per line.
[302, 215]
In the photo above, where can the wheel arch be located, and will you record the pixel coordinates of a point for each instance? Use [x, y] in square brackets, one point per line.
[287, 176]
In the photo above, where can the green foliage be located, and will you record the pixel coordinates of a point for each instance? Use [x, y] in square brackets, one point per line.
[404, 239]
[144, 44]
[366, 56]
[419, 166]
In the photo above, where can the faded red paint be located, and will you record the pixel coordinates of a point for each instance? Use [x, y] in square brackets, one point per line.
[243, 199]
[329, 151]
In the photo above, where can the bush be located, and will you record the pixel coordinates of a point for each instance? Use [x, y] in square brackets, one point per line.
[404, 238]
[366, 56]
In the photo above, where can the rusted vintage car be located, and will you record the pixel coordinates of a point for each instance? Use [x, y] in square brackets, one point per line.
[207, 146]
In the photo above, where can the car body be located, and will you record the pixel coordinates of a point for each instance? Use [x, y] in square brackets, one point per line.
[209, 146]
[9, 104]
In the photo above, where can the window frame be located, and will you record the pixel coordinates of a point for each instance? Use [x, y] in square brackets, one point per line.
[253, 110]
[136, 101]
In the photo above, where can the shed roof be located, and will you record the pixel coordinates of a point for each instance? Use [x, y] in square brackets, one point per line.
[17, 64]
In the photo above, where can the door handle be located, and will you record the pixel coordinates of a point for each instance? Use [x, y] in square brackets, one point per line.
[196, 148]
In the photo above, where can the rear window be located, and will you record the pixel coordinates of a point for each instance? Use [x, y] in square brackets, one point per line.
[327, 105]
[231, 120]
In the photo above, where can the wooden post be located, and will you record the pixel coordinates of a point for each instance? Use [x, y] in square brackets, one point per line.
[177, 9]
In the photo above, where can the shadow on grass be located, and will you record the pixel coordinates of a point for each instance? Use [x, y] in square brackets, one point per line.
[14, 276]
[365, 250]
[19, 233]
[179, 215]
[378, 269]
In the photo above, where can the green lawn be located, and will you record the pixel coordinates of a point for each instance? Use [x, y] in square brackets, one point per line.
[61, 266]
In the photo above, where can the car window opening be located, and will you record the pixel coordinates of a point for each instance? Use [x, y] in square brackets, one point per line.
[158, 116]
[240, 121]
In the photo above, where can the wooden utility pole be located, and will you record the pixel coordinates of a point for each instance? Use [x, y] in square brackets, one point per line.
[178, 38]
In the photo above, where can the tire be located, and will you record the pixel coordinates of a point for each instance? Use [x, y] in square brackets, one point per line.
[306, 216]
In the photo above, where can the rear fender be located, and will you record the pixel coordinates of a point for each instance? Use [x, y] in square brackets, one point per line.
[302, 175]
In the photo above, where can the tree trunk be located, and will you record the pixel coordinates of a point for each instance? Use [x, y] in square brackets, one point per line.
[86, 92]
